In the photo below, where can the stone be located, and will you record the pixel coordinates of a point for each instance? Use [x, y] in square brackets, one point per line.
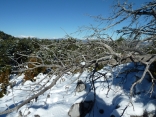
[36, 116]
[80, 86]
[80, 109]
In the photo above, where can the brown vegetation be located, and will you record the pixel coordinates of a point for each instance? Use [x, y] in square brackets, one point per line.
[32, 69]
[4, 80]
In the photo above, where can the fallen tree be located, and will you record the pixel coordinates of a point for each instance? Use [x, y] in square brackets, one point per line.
[73, 56]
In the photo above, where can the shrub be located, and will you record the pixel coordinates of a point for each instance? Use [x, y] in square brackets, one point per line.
[4, 79]
[33, 71]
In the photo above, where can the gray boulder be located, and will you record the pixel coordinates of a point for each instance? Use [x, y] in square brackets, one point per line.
[80, 109]
[80, 86]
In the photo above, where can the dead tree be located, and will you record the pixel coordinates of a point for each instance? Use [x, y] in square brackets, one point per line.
[67, 56]
[139, 33]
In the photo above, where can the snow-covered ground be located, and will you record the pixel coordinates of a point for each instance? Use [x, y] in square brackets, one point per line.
[112, 95]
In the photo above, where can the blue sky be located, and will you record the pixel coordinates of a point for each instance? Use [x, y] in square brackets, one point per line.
[50, 18]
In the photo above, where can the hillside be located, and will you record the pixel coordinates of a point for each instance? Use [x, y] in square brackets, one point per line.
[43, 78]
[5, 36]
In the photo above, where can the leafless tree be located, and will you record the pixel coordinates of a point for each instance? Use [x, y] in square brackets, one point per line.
[67, 56]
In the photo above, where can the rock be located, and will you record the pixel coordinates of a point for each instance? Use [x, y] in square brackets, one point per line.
[81, 109]
[80, 86]
[36, 116]
[150, 108]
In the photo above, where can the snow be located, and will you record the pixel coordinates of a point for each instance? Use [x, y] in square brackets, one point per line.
[83, 63]
[112, 95]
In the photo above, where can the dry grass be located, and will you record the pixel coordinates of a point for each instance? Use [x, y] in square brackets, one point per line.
[32, 62]
[4, 80]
